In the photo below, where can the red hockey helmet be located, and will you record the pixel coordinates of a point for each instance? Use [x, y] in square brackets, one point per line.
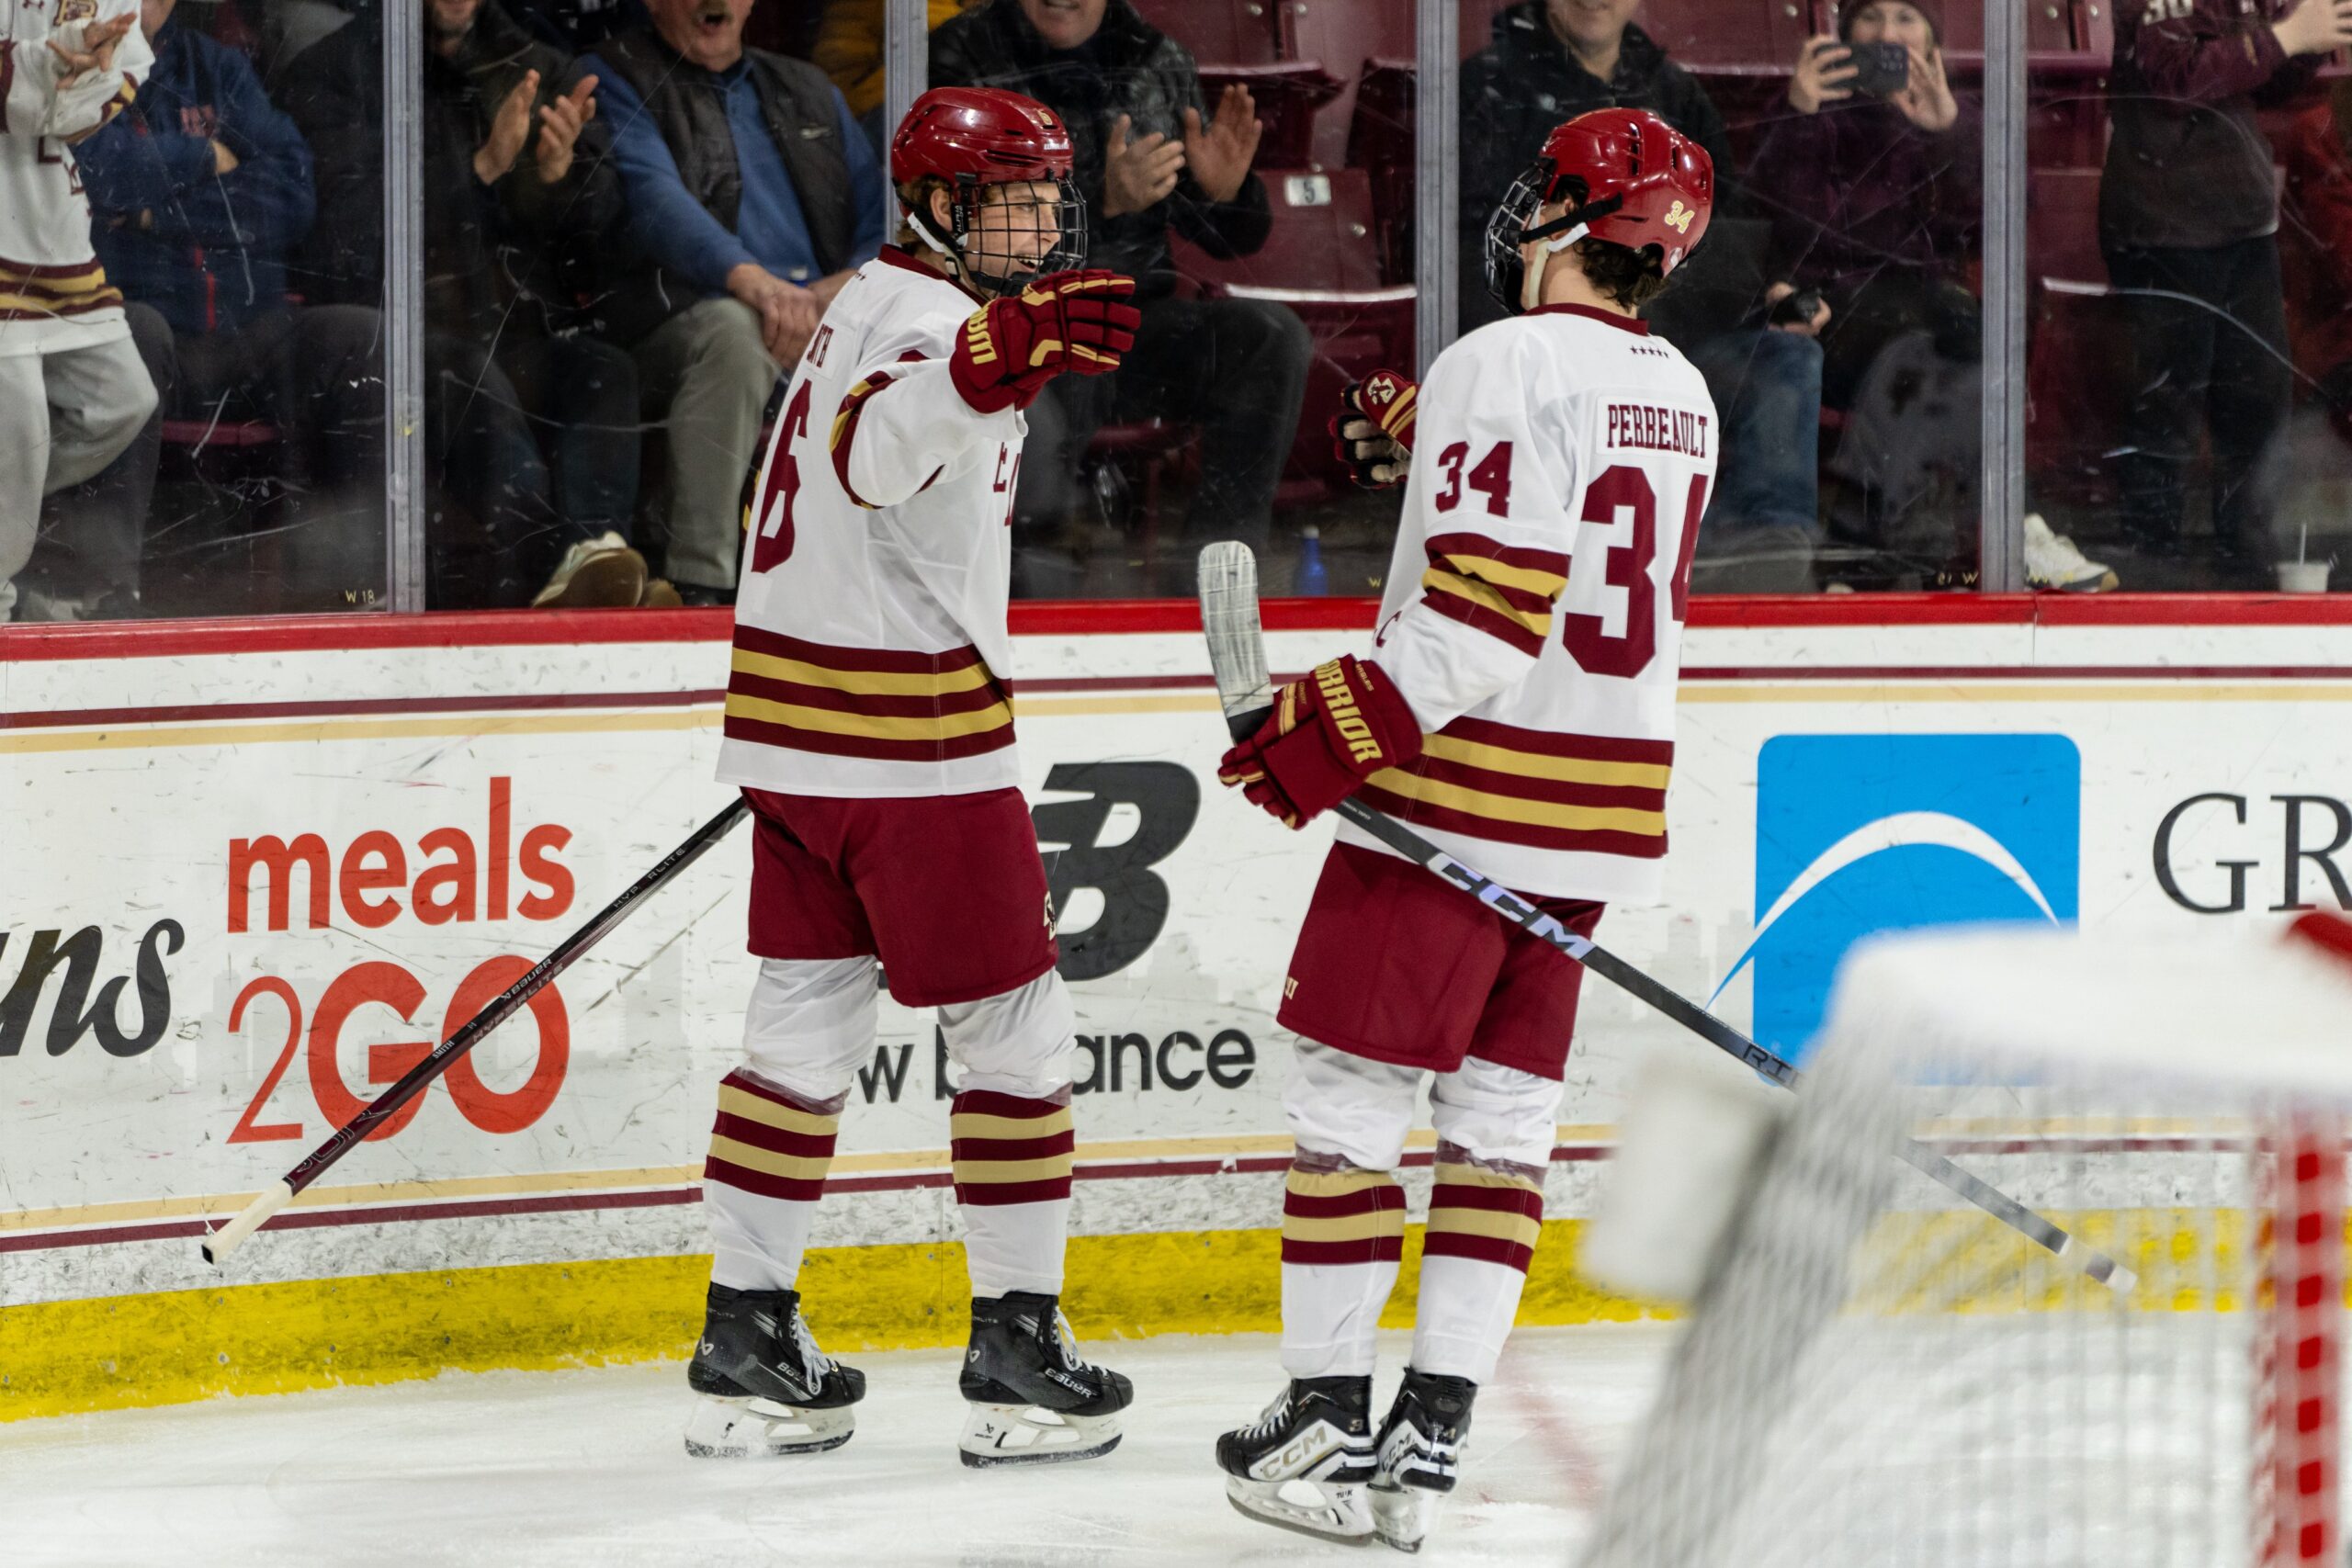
[976, 137]
[1629, 178]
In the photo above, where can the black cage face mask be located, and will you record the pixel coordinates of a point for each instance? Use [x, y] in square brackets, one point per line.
[1513, 224]
[997, 233]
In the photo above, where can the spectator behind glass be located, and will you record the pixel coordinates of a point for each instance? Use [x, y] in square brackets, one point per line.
[1876, 203]
[200, 190]
[2306, 473]
[531, 419]
[577, 27]
[849, 49]
[1148, 158]
[2188, 220]
[1552, 60]
[73, 396]
[754, 196]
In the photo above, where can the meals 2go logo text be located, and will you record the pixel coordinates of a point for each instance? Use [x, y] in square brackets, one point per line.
[451, 876]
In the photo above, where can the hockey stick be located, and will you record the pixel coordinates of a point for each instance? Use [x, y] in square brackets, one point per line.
[219, 1244]
[1229, 588]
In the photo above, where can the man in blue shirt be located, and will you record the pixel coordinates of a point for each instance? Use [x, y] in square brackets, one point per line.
[753, 197]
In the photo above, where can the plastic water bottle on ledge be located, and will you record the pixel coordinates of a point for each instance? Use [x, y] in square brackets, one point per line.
[1312, 580]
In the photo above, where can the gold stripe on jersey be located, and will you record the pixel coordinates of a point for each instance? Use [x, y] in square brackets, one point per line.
[1537, 624]
[828, 721]
[1567, 770]
[39, 293]
[1513, 808]
[1505, 590]
[1502, 574]
[1540, 789]
[872, 682]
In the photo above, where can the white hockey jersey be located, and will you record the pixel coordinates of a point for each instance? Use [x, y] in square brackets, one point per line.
[871, 653]
[1533, 616]
[53, 294]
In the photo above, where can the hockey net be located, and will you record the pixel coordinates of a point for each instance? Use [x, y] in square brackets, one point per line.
[1875, 1373]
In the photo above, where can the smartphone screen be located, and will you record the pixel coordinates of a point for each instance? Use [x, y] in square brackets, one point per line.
[1880, 69]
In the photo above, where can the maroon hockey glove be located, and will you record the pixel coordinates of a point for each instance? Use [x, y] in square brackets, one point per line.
[1327, 733]
[1078, 321]
[1373, 431]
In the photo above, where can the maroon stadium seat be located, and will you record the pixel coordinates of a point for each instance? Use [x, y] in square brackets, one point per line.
[1222, 32]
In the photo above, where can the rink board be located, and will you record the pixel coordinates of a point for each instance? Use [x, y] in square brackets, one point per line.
[250, 875]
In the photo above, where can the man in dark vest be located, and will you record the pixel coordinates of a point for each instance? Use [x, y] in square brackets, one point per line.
[752, 198]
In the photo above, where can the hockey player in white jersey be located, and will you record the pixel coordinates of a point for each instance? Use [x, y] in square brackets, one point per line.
[72, 390]
[1519, 710]
[869, 722]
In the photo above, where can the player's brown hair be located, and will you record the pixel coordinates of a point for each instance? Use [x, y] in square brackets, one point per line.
[1633, 279]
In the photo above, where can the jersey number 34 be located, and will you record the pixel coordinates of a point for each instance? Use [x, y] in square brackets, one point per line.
[1624, 490]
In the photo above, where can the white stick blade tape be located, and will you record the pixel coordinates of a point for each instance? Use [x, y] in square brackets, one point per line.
[228, 1237]
[1228, 586]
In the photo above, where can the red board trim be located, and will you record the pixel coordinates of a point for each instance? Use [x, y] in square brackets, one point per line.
[507, 629]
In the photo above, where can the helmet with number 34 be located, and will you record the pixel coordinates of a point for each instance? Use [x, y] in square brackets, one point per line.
[1627, 177]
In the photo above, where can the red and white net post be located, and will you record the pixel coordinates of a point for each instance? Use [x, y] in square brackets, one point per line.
[2299, 1346]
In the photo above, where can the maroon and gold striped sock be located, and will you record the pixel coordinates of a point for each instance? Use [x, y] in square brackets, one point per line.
[1484, 1223]
[769, 1153]
[1343, 1234]
[1012, 1157]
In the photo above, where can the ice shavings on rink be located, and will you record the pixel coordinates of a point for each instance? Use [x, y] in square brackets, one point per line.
[514, 1470]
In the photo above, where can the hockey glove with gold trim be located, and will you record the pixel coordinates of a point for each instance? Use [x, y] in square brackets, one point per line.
[1373, 431]
[1327, 733]
[1008, 350]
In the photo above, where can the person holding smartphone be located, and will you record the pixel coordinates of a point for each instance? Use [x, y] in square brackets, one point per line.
[2189, 225]
[1874, 185]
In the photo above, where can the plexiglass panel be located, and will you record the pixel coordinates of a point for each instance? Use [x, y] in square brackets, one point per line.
[2187, 259]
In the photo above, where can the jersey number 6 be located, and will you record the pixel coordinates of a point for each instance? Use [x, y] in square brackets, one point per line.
[772, 543]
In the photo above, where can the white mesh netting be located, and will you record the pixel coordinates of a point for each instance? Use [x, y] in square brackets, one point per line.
[1877, 1373]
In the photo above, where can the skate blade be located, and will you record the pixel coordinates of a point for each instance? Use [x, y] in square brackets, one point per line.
[1400, 1516]
[1028, 1434]
[1330, 1513]
[762, 1429]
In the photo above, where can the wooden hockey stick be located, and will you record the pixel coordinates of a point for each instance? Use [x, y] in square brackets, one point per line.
[219, 1244]
[1228, 589]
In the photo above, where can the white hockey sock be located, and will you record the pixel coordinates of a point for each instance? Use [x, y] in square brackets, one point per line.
[1343, 1234]
[1483, 1222]
[1012, 1156]
[769, 1153]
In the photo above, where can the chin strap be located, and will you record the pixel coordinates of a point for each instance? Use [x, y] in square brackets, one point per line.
[1557, 236]
[1531, 283]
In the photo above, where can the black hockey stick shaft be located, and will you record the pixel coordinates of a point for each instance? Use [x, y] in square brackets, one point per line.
[219, 1244]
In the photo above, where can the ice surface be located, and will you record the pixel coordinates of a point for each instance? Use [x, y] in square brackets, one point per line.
[512, 1470]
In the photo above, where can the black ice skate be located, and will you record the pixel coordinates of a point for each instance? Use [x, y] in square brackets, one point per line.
[765, 1387]
[1420, 1454]
[1304, 1463]
[1034, 1402]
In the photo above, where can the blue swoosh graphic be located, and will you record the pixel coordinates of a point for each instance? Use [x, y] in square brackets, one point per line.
[1904, 829]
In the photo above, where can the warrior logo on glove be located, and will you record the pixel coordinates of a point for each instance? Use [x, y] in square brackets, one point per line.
[1078, 321]
[1327, 733]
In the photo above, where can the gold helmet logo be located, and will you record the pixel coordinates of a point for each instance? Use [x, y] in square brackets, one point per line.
[1678, 217]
